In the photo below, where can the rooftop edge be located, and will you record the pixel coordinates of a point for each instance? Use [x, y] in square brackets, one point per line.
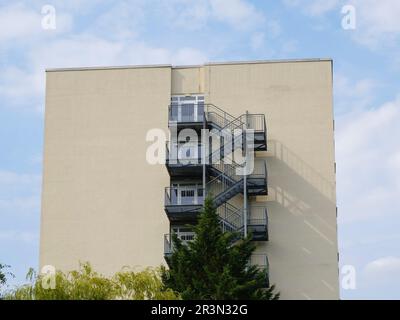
[187, 66]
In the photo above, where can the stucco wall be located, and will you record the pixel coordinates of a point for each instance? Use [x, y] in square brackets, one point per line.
[296, 98]
[103, 203]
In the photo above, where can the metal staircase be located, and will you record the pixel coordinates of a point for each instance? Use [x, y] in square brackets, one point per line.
[231, 218]
[214, 172]
[226, 184]
[224, 180]
[213, 117]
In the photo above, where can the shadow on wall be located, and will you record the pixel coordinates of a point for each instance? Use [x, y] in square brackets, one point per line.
[296, 186]
[302, 212]
[284, 156]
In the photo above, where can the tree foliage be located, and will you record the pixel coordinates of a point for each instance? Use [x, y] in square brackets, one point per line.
[86, 284]
[211, 267]
[3, 276]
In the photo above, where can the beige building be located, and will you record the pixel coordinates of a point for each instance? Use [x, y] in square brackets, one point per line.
[103, 202]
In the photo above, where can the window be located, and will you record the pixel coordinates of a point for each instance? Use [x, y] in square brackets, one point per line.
[186, 194]
[187, 108]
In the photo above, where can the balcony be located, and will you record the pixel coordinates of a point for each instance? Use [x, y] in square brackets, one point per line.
[183, 203]
[183, 160]
[257, 123]
[257, 224]
[168, 243]
[188, 114]
[257, 181]
[192, 114]
[261, 261]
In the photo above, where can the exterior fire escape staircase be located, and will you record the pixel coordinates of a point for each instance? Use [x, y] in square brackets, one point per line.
[225, 182]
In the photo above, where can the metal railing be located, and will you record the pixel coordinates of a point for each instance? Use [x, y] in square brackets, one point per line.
[260, 260]
[188, 112]
[231, 217]
[175, 196]
[229, 176]
[234, 123]
[226, 148]
[169, 244]
[254, 121]
[258, 216]
[218, 116]
[178, 153]
[229, 170]
[195, 112]
[260, 169]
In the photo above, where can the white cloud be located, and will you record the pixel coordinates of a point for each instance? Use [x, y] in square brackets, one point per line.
[122, 21]
[320, 7]
[383, 266]
[237, 13]
[193, 14]
[89, 50]
[368, 182]
[19, 22]
[21, 85]
[313, 7]
[187, 56]
[353, 95]
[378, 274]
[14, 81]
[378, 22]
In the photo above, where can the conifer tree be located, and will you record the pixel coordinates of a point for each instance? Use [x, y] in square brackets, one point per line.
[214, 266]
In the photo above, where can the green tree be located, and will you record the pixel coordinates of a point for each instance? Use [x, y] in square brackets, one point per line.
[211, 267]
[86, 284]
[3, 276]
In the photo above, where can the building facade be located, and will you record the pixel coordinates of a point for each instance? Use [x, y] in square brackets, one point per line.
[105, 202]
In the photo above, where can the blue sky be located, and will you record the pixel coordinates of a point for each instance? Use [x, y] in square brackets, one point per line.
[97, 33]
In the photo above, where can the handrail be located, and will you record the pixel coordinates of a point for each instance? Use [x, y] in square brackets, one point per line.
[255, 215]
[219, 109]
[260, 260]
[199, 146]
[175, 199]
[228, 170]
[231, 217]
[256, 121]
[235, 119]
[229, 119]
